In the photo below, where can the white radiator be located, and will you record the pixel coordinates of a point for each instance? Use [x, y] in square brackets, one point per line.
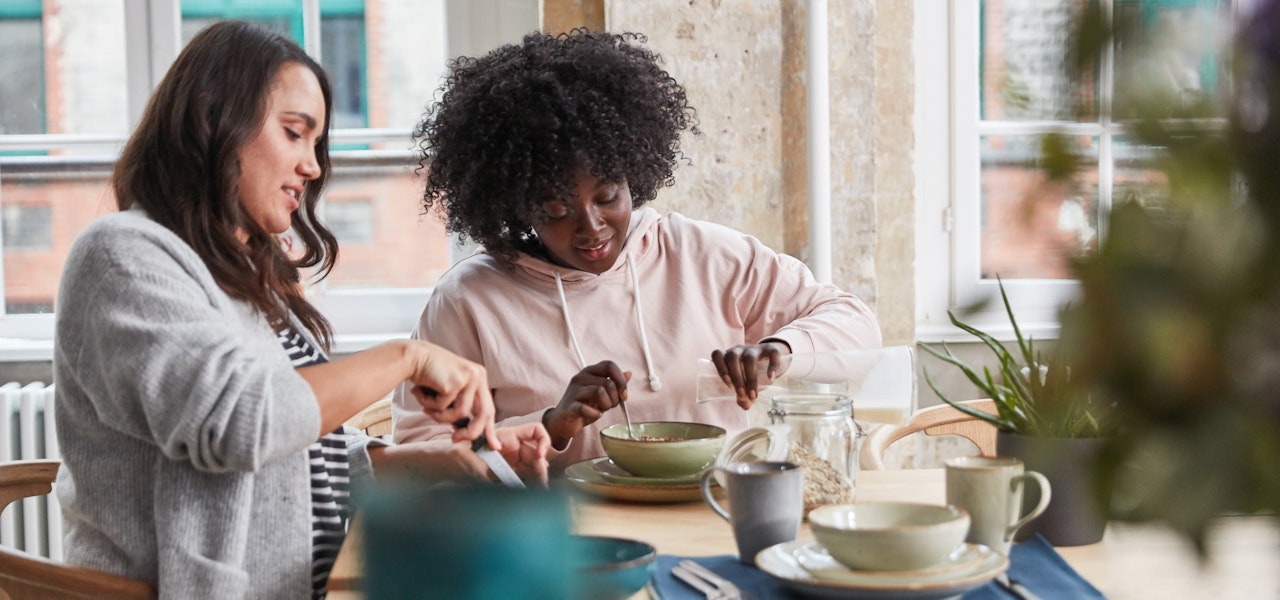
[33, 525]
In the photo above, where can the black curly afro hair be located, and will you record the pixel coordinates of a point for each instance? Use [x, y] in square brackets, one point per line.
[511, 129]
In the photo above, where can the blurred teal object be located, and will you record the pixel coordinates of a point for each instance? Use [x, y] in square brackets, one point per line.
[612, 568]
[479, 542]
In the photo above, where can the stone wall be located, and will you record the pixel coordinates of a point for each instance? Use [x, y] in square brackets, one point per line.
[743, 65]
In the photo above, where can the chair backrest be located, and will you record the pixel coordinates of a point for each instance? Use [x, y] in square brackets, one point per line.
[375, 420]
[935, 420]
[27, 576]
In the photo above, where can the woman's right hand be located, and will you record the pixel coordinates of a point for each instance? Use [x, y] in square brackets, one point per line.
[591, 392]
[451, 388]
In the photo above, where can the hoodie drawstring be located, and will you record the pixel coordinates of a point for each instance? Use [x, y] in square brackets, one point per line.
[655, 382]
[564, 307]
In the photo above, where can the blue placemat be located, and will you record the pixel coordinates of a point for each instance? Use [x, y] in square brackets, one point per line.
[1033, 563]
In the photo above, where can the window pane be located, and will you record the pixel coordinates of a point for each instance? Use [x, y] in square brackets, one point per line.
[1169, 59]
[1137, 176]
[27, 226]
[385, 241]
[1023, 62]
[405, 64]
[85, 90]
[342, 55]
[192, 25]
[21, 76]
[1030, 225]
[352, 221]
[44, 206]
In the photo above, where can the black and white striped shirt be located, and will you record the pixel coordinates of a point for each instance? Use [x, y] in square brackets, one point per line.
[330, 478]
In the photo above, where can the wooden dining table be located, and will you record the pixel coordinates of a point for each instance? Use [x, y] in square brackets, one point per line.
[1132, 561]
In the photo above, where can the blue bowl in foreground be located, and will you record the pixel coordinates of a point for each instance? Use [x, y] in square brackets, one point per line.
[610, 568]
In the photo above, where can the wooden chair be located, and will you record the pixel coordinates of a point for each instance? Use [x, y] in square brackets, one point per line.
[24, 575]
[375, 420]
[935, 420]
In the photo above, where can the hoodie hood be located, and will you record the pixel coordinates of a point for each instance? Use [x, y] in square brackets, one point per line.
[640, 239]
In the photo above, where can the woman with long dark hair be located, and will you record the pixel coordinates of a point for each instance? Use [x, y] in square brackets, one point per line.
[199, 417]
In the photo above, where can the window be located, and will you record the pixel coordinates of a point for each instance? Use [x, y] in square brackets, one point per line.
[67, 103]
[22, 70]
[351, 221]
[997, 213]
[342, 46]
[63, 112]
[27, 226]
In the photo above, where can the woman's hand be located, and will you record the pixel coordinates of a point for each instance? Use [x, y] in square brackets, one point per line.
[432, 461]
[591, 392]
[525, 448]
[451, 388]
[739, 367]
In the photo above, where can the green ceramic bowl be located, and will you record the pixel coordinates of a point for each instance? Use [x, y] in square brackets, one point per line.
[663, 448]
[889, 536]
[610, 568]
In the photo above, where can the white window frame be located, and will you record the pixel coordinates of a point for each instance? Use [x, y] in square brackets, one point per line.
[948, 128]
[948, 171]
[360, 317]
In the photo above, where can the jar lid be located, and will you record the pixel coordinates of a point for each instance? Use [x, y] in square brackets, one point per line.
[756, 444]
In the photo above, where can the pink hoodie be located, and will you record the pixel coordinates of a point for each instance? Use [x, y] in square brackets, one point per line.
[701, 287]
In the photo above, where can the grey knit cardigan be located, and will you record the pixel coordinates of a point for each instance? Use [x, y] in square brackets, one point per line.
[182, 425]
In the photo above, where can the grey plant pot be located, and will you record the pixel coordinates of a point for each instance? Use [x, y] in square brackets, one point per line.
[1076, 516]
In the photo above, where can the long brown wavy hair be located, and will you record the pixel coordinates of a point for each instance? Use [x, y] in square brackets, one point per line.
[182, 165]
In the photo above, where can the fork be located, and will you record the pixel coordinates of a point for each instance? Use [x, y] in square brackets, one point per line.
[702, 579]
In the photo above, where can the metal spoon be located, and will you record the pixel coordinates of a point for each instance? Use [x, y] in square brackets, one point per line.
[623, 404]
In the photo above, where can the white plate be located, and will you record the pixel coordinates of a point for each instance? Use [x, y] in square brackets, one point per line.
[817, 561]
[781, 562]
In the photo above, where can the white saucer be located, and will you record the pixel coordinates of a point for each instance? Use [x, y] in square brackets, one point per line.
[818, 562]
[783, 562]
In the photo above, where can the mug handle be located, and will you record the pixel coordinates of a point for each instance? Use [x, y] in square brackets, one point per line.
[1045, 492]
[706, 493]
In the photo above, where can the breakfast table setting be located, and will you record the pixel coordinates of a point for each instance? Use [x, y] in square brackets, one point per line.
[1131, 561]
[677, 511]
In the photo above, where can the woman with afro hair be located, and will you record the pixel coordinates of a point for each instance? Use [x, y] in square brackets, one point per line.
[545, 153]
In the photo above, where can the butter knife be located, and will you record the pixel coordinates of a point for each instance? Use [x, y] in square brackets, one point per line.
[506, 475]
[1013, 587]
[496, 463]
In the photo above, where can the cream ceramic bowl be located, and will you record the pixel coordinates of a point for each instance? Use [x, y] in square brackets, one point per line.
[889, 536]
[663, 448]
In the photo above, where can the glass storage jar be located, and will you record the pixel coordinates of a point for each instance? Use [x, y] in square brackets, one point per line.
[821, 437]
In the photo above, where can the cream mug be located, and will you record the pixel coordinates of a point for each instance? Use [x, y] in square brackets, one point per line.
[990, 489]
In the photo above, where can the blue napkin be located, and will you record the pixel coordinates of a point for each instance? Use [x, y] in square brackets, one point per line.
[1036, 565]
[1033, 563]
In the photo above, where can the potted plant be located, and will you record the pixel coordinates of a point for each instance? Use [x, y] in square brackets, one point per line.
[1179, 316]
[1054, 427]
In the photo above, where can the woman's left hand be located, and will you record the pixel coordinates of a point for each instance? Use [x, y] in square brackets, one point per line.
[523, 446]
[525, 449]
[740, 365]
